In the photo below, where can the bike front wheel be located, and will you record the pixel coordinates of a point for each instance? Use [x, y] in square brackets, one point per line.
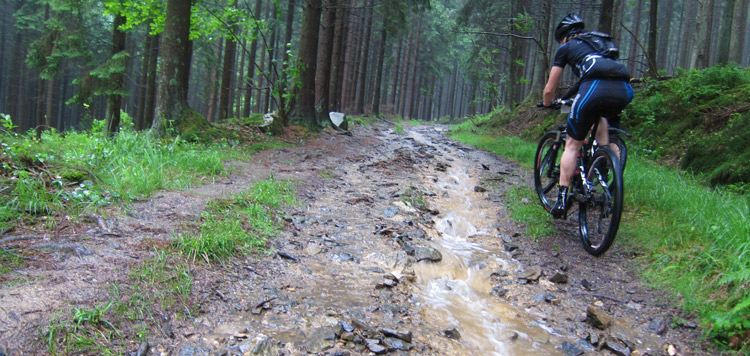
[547, 169]
[600, 210]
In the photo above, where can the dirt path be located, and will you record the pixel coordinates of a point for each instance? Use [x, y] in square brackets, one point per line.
[401, 245]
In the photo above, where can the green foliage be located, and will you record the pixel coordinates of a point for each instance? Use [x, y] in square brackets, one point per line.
[523, 205]
[86, 332]
[700, 118]
[8, 261]
[239, 224]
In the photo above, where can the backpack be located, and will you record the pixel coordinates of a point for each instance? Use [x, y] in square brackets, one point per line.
[602, 43]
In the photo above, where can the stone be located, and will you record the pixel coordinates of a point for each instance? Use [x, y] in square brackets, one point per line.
[427, 253]
[598, 318]
[560, 278]
[402, 335]
[569, 349]
[452, 333]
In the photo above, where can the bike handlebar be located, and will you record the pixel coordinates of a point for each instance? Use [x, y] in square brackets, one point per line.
[556, 103]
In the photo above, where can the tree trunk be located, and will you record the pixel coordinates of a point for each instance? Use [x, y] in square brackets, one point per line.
[664, 32]
[239, 82]
[704, 56]
[172, 110]
[725, 35]
[396, 75]
[740, 31]
[325, 60]
[652, 23]
[213, 83]
[605, 16]
[308, 60]
[360, 109]
[334, 95]
[248, 82]
[634, 49]
[151, 86]
[227, 73]
[114, 100]
[141, 114]
[379, 75]
[15, 83]
[283, 110]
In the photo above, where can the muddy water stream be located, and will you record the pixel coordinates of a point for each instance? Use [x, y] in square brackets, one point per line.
[456, 292]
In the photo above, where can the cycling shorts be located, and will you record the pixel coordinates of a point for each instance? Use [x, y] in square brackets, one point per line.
[598, 98]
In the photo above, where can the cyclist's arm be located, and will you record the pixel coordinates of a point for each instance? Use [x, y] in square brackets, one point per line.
[549, 89]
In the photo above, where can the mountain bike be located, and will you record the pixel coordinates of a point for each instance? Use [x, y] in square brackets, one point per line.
[596, 186]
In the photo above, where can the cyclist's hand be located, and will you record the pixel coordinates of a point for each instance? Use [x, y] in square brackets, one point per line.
[555, 104]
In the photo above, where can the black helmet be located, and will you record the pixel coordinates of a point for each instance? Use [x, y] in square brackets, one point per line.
[569, 25]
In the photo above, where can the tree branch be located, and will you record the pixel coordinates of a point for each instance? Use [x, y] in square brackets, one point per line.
[651, 63]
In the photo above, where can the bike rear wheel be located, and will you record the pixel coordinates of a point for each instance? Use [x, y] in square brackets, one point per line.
[547, 169]
[600, 210]
[618, 142]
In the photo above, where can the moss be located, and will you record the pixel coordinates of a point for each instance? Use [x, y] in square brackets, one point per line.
[73, 175]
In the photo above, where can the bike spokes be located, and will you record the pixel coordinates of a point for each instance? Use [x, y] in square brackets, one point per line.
[599, 212]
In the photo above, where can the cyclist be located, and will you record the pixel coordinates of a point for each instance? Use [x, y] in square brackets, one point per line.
[602, 92]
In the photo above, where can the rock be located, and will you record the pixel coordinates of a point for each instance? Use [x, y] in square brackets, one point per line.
[560, 278]
[598, 318]
[313, 249]
[402, 335]
[510, 247]
[320, 339]
[390, 211]
[569, 349]
[387, 283]
[499, 291]
[142, 349]
[617, 347]
[346, 326]
[287, 256]
[427, 253]
[262, 346]
[452, 333]
[659, 325]
[376, 348]
[531, 274]
[585, 345]
[365, 328]
[396, 344]
[479, 189]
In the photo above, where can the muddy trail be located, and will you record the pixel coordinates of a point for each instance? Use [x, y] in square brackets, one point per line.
[400, 245]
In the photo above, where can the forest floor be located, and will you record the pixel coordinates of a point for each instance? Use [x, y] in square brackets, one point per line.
[400, 244]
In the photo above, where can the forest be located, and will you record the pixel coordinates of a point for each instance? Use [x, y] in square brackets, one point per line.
[65, 63]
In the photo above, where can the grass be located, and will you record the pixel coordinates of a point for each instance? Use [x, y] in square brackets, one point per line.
[239, 224]
[694, 239]
[65, 175]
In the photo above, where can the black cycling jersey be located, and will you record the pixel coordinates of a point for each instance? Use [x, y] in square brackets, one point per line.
[587, 64]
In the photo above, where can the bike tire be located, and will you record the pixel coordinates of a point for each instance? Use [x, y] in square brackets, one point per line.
[620, 144]
[600, 210]
[547, 169]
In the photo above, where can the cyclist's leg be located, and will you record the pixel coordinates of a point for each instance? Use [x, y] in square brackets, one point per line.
[568, 160]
